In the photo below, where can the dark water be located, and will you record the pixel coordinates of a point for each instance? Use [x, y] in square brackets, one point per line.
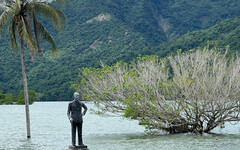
[51, 131]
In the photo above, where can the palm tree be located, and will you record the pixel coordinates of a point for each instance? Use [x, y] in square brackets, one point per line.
[26, 29]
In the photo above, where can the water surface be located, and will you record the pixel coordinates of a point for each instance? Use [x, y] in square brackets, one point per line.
[51, 131]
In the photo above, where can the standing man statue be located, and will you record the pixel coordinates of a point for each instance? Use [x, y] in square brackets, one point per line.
[75, 117]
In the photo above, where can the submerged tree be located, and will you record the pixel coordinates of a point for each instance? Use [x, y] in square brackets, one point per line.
[189, 92]
[21, 18]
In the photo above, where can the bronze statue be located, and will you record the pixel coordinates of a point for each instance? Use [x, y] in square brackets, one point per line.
[75, 117]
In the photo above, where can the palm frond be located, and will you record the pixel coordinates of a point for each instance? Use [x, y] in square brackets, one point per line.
[24, 1]
[2, 7]
[12, 33]
[61, 2]
[36, 35]
[26, 35]
[17, 7]
[4, 19]
[48, 11]
[29, 23]
[9, 2]
[44, 33]
[18, 2]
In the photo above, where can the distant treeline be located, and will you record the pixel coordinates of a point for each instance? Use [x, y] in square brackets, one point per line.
[19, 99]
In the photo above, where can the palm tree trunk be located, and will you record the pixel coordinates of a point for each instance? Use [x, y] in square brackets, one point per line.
[25, 89]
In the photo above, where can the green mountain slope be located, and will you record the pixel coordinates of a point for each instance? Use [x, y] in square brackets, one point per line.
[222, 34]
[112, 30]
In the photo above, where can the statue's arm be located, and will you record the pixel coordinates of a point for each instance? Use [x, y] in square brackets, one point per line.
[85, 109]
[68, 112]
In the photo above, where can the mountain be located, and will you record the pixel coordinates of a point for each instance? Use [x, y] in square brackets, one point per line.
[225, 33]
[114, 30]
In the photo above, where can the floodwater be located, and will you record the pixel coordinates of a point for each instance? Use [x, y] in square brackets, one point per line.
[51, 130]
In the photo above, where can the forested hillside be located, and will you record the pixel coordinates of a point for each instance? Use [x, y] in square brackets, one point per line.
[113, 30]
[225, 33]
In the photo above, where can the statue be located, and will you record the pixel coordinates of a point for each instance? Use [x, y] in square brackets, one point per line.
[75, 114]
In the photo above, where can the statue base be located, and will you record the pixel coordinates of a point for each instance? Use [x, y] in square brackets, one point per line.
[80, 147]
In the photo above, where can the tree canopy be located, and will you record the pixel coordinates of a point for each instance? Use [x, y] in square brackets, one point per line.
[193, 91]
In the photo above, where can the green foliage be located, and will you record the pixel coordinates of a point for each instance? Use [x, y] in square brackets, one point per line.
[223, 34]
[130, 112]
[19, 99]
[135, 27]
[9, 99]
[33, 96]
[2, 97]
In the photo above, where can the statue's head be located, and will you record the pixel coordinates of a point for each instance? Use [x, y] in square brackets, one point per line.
[77, 96]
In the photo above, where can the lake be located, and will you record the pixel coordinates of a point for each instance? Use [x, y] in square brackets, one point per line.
[51, 130]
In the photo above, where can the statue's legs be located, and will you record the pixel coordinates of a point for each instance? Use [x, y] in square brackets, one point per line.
[73, 134]
[80, 142]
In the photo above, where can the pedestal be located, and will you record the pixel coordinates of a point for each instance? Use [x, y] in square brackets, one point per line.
[81, 147]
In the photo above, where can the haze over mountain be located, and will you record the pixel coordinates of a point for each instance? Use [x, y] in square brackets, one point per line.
[114, 30]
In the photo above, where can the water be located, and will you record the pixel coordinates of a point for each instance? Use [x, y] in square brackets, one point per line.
[51, 131]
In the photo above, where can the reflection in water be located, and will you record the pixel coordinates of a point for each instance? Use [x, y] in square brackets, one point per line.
[51, 131]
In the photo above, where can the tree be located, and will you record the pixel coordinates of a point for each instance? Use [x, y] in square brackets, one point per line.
[2, 97]
[21, 18]
[33, 96]
[194, 91]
